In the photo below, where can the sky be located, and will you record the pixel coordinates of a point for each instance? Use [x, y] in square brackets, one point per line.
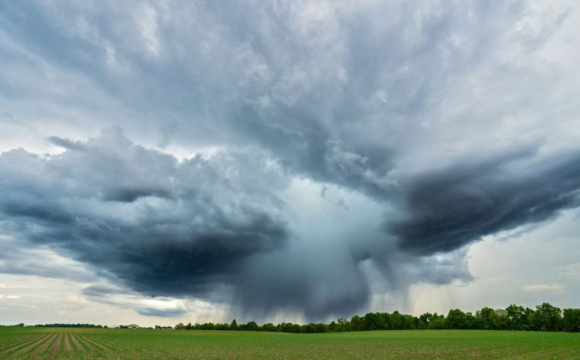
[196, 161]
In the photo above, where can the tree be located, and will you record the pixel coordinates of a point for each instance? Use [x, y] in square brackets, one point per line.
[547, 318]
[343, 324]
[332, 327]
[408, 322]
[517, 316]
[320, 328]
[437, 322]
[179, 326]
[268, 327]
[484, 319]
[500, 321]
[384, 320]
[397, 322]
[571, 320]
[424, 320]
[188, 326]
[234, 325]
[457, 319]
[372, 322]
[357, 323]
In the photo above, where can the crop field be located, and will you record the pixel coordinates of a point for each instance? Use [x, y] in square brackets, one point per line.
[42, 343]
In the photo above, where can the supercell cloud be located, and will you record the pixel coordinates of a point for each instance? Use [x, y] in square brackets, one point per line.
[278, 158]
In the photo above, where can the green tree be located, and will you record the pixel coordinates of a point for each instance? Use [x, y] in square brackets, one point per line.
[457, 319]
[332, 327]
[234, 325]
[343, 325]
[500, 320]
[372, 322]
[357, 323]
[484, 319]
[547, 318]
[437, 322]
[397, 321]
[268, 327]
[518, 317]
[571, 320]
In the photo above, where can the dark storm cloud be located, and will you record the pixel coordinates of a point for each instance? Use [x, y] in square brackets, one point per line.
[101, 207]
[328, 97]
[160, 312]
[453, 206]
[302, 282]
[342, 94]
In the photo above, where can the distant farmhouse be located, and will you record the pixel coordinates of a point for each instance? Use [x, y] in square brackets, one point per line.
[133, 326]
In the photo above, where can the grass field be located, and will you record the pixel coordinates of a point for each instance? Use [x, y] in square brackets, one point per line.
[39, 343]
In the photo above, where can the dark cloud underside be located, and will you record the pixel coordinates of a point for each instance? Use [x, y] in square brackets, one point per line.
[449, 208]
[435, 123]
[150, 221]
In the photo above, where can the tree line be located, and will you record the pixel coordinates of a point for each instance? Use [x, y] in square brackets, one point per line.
[71, 326]
[544, 317]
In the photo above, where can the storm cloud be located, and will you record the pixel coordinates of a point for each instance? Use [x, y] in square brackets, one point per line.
[161, 226]
[453, 206]
[285, 157]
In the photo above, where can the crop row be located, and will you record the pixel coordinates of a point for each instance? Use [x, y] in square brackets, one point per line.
[70, 344]
[53, 343]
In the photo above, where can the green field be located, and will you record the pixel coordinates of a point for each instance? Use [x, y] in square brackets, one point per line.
[42, 343]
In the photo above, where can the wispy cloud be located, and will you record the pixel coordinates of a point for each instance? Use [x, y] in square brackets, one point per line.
[543, 287]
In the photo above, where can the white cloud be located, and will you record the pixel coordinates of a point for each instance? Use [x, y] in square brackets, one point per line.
[543, 287]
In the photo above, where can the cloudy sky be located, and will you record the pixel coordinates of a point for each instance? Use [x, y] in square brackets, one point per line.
[196, 161]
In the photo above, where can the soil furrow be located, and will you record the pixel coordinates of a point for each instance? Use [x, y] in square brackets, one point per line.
[117, 344]
[44, 345]
[84, 342]
[67, 344]
[110, 343]
[78, 345]
[19, 340]
[56, 346]
[89, 341]
[35, 342]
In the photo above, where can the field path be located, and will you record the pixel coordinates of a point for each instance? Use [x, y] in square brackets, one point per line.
[67, 344]
[43, 347]
[79, 346]
[56, 346]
